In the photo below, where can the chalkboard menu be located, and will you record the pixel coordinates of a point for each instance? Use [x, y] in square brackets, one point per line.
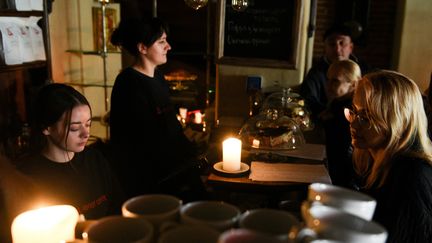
[265, 34]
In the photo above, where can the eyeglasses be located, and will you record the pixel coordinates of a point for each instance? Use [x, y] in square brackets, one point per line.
[352, 115]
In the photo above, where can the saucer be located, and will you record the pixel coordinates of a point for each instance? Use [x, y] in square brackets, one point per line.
[219, 167]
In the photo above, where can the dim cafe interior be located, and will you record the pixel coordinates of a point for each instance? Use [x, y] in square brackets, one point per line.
[259, 148]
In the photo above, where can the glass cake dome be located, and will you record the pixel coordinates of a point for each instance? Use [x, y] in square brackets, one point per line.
[271, 130]
[290, 104]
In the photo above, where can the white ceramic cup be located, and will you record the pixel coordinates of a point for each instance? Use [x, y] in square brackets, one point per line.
[324, 241]
[350, 201]
[216, 214]
[333, 224]
[156, 208]
[190, 233]
[276, 223]
[247, 236]
[119, 229]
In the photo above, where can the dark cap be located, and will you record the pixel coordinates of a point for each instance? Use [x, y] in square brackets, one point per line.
[338, 29]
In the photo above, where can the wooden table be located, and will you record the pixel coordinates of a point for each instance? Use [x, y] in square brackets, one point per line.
[241, 190]
[225, 187]
[243, 182]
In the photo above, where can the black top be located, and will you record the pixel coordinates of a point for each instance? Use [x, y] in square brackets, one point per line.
[140, 105]
[338, 142]
[148, 140]
[404, 203]
[86, 182]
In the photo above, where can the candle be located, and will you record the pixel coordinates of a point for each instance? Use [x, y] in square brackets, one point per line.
[231, 154]
[198, 117]
[45, 225]
[183, 112]
[255, 143]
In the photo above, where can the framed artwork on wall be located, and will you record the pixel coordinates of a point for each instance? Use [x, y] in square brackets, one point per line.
[111, 22]
[267, 33]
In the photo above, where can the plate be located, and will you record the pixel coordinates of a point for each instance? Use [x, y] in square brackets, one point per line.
[219, 167]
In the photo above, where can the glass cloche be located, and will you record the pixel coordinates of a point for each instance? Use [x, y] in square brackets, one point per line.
[271, 130]
[290, 104]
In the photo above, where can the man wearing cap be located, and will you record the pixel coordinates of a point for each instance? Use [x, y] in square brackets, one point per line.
[338, 46]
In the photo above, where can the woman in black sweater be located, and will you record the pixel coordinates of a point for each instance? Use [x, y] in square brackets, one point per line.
[152, 155]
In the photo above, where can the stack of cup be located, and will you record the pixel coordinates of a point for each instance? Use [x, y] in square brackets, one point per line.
[338, 214]
[347, 200]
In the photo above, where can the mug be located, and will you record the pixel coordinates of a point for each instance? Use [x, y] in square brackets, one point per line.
[329, 223]
[190, 233]
[216, 214]
[158, 209]
[119, 229]
[350, 201]
[277, 223]
[249, 236]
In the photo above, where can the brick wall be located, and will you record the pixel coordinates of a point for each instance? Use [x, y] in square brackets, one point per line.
[376, 49]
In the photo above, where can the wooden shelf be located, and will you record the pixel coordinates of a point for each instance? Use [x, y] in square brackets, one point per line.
[97, 53]
[92, 84]
[10, 68]
[15, 13]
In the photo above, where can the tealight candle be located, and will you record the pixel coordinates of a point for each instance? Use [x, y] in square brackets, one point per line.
[231, 154]
[45, 225]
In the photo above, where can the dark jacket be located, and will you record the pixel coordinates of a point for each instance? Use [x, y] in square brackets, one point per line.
[404, 202]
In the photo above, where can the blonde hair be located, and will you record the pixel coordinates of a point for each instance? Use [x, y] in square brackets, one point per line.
[394, 106]
[349, 70]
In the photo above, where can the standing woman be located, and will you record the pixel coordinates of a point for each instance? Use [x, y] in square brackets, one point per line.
[66, 171]
[393, 153]
[152, 155]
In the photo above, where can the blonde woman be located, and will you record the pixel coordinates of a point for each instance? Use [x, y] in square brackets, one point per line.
[393, 153]
[342, 78]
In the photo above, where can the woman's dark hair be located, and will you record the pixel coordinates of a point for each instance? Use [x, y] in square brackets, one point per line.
[130, 32]
[52, 101]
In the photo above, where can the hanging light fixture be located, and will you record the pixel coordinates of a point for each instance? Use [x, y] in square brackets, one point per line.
[196, 4]
[239, 5]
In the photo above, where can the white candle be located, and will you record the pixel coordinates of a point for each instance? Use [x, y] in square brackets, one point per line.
[49, 224]
[255, 143]
[198, 118]
[231, 154]
[183, 112]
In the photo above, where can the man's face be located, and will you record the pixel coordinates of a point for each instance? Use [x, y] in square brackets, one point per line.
[338, 47]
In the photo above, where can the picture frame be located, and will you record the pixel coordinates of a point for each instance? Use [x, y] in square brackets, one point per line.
[266, 34]
[110, 20]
